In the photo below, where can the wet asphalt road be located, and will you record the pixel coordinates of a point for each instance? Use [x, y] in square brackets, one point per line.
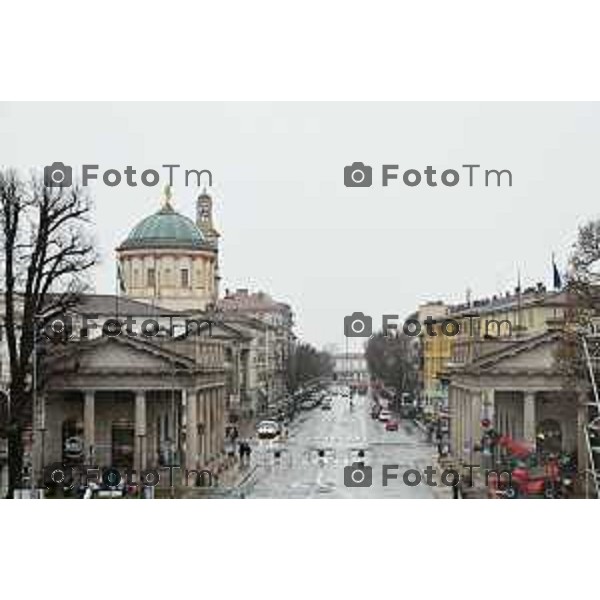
[299, 471]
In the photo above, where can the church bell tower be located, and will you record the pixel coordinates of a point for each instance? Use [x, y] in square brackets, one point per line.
[205, 223]
[204, 218]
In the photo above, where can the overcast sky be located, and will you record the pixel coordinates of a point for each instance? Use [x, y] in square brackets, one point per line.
[290, 227]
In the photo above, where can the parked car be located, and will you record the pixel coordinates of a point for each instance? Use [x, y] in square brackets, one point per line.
[100, 491]
[384, 415]
[268, 429]
[326, 405]
[391, 425]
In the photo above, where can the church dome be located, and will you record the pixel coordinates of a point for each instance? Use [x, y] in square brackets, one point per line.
[165, 229]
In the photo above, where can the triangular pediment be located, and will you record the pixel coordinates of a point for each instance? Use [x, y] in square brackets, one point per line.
[117, 354]
[222, 329]
[534, 354]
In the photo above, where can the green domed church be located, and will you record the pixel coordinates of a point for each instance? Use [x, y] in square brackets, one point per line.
[171, 261]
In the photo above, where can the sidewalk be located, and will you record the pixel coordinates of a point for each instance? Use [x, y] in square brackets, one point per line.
[228, 483]
[440, 464]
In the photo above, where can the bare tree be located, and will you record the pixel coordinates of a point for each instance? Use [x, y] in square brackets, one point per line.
[46, 253]
[391, 360]
[306, 363]
[583, 299]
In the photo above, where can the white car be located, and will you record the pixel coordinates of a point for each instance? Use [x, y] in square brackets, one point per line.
[384, 415]
[268, 429]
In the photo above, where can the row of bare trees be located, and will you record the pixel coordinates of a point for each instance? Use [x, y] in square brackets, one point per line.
[305, 364]
[392, 360]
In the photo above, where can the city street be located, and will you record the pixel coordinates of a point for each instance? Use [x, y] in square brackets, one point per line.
[338, 435]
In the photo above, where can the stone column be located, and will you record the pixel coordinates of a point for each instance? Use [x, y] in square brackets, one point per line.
[140, 431]
[456, 422]
[208, 428]
[456, 418]
[488, 404]
[89, 426]
[202, 420]
[208, 423]
[464, 422]
[470, 433]
[214, 421]
[497, 420]
[191, 446]
[221, 404]
[236, 372]
[529, 417]
[38, 459]
[183, 423]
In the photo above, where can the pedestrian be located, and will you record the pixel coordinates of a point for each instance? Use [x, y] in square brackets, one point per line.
[241, 452]
[430, 432]
[439, 438]
[248, 451]
[230, 451]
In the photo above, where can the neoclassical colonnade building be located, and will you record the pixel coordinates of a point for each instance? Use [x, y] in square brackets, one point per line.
[133, 403]
[138, 402]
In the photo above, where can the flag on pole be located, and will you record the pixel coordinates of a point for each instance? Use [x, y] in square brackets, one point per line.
[557, 280]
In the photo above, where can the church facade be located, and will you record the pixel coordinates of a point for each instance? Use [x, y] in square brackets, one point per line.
[168, 400]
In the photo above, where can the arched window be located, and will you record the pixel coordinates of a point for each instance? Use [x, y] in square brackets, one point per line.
[150, 278]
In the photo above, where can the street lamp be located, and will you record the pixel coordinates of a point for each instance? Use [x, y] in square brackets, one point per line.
[39, 425]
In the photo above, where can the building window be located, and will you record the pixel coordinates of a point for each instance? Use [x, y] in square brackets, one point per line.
[185, 278]
[151, 278]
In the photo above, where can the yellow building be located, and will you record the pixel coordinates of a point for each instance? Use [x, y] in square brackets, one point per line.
[466, 332]
[505, 317]
[436, 352]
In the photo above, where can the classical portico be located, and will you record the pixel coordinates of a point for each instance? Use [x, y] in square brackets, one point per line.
[130, 403]
[520, 392]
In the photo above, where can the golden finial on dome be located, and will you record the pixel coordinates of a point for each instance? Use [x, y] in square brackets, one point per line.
[167, 195]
